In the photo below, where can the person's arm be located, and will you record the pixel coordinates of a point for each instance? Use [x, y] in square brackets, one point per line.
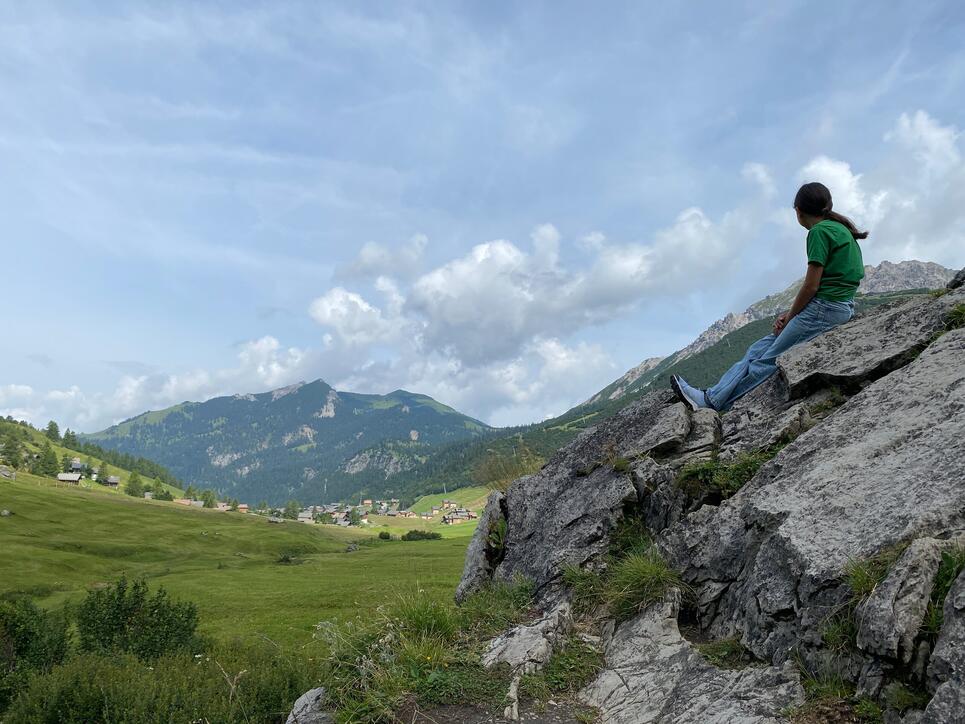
[812, 281]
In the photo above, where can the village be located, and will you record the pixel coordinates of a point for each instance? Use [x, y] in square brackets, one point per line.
[448, 512]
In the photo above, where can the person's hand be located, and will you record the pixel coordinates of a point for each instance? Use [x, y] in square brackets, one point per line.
[780, 322]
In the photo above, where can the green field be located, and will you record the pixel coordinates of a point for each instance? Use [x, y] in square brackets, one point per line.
[60, 542]
[473, 498]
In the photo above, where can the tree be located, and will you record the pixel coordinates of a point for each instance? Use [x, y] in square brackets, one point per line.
[159, 492]
[103, 472]
[262, 505]
[47, 464]
[52, 431]
[233, 504]
[324, 518]
[134, 488]
[70, 439]
[292, 509]
[65, 463]
[354, 517]
[12, 451]
[209, 498]
[191, 493]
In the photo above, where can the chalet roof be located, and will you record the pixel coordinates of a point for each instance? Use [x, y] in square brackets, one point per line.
[113, 479]
[68, 477]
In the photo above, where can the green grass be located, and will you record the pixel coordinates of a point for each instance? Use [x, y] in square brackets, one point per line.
[726, 653]
[955, 317]
[723, 479]
[473, 498]
[952, 564]
[62, 541]
[569, 669]
[863, 575]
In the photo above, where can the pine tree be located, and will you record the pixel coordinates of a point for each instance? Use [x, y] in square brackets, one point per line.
[65, 463]
[209, 498]
[292, 509]
[134, 488]
[12, 451]
[70, 439]
[47, 465]
[52, 431]
[103, 473]
[263, 505]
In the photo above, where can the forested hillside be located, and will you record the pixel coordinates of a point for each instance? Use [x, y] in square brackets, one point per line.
[300, 442]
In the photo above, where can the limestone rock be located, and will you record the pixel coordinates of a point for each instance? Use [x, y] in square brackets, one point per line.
[889, 620]
[887, 466]
[478, 567]
[946, 672]
[308, 709]
[528, 646]
[565, 513]
[654, 675]
[762, 418]
[866, 348]
[958, 280]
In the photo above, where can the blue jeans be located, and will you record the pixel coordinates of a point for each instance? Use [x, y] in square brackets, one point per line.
[760, 362]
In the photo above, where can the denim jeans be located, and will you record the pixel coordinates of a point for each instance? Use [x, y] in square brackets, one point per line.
[760, 362]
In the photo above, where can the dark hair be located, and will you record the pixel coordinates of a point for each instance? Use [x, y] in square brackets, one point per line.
[814, 199]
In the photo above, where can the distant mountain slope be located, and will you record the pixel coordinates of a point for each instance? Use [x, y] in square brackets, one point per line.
[305, 441]
[886, 277]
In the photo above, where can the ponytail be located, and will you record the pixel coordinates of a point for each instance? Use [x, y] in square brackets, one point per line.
[814, 199]
[847, 223]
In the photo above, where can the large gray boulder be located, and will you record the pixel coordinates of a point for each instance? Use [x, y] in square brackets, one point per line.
[946, 672]
[868, 347]
[887, 466]
[654, 675]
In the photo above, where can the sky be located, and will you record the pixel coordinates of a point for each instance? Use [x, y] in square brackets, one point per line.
[503, 205]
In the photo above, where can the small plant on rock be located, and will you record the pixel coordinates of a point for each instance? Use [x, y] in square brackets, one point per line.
[726, 653]
[569, 669]
[952, 564]
[719, 478]
[955, 319]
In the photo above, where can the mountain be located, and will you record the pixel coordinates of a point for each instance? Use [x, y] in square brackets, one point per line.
[306, 441]
[886, 277]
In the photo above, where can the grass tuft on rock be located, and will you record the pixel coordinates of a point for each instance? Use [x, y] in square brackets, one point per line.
[726, 653]
[955, 319]
[901, 698]
[863, 575]
[952, 564]
[722, 479]
[569, 669]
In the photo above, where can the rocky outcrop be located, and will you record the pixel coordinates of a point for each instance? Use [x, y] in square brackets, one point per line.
[653, 674]
[865, 427]
[946, 672]
[957, 281]
[868, 347]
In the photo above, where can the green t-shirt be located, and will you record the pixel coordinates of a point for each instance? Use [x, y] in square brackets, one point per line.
[831, 245]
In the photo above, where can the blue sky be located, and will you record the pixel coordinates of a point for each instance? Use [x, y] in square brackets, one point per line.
[504, 205]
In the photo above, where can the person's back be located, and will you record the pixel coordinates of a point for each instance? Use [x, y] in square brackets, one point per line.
[832, 245]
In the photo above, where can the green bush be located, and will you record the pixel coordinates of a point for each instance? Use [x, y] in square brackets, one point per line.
[239, 682]
[385, 535]
[123, 618]
[421, 535]
[31, 640]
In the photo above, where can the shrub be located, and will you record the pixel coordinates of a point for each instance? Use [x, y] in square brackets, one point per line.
[496, 537]
[621, 465]
[901, 698]
[864, 574]
[239, 682]
[385, 535]
[496, 606]
[31, 640]
[868, 710]
[124, 618]
[421, 535]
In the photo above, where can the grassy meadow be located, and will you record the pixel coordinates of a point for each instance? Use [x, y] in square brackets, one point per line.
[62, 541]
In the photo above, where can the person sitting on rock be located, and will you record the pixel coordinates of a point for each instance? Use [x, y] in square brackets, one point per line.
[825, 300]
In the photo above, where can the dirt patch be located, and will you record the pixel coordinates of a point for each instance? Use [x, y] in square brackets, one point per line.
[551, 714]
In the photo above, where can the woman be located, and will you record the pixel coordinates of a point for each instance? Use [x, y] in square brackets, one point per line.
[825, 300]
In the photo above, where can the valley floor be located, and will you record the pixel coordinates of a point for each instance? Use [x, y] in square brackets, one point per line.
[247, 576]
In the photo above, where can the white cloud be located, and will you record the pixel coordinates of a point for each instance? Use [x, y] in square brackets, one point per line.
[374, 260]
[353, 319]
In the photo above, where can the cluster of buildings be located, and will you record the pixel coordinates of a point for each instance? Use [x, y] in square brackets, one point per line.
[76, 473]
[452, 513]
